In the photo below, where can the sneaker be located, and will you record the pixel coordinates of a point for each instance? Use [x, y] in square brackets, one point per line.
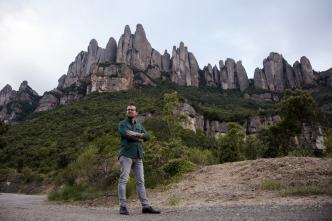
[150, 210]
[123, 211]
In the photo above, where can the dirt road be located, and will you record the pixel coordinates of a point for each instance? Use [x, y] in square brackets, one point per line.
[29, 207]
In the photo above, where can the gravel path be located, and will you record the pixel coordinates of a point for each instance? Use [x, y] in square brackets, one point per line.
[30, 207]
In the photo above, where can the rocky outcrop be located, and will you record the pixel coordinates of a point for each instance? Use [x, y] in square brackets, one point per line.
[266, 97]
[48, 102]
[231, 75]
[277, 74]
[241, 76]
[272, 73]
[135, 49]
[79, 69]
[166, 62]
[112, 77]
[210, 76]
[216, 128]
[184, 67]
[324, 78]
[16, 105]
[147, 64]
[313, 139]
[68, 98]
[5, 95]
[327, 108]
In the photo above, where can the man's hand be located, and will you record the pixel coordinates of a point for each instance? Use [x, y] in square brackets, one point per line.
[131, 133]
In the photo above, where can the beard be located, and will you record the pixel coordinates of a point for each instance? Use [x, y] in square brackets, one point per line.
[130, 116]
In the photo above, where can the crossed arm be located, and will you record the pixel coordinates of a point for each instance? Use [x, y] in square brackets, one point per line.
[139, 135]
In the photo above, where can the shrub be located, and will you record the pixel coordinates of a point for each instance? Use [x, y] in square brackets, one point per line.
[174, 200]
[203, 158]
[131, 186]
[253, 148]
[177, 167]
[151, 180]
[69, 175]
[82, 191]
[54, 195]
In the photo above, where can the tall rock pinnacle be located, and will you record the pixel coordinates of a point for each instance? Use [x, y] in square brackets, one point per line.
[184, 67]
[134, 49]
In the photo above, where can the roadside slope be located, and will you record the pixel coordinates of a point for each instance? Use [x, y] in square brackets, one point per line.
[238, 183]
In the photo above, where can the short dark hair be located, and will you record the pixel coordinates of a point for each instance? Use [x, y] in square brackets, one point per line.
[132, 104]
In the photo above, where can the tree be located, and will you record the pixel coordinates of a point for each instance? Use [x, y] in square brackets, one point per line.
[173, 116]
[230, 145]
[3, 129]
[328, 143]
[297, 108]
[254, 148]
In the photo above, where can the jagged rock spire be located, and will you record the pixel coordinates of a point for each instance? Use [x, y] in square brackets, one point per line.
[277, 74]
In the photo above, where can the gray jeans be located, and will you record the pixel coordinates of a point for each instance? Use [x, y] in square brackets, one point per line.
[136, 165]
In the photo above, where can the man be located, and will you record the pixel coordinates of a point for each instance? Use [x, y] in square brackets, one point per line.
[130, 157]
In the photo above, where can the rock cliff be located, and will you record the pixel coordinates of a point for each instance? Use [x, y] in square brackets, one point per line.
[184, 67]
[313, 139]
[79, 69]
[324, 78]
[135, 50]
[15, 105]
[231, 75]
[277, 74]
[134, 61]
[112, 77]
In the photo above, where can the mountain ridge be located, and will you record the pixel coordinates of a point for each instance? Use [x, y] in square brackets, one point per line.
[133, 61]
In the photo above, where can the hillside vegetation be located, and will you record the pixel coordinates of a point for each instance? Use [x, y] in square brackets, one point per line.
[279, 181]
[78, 144]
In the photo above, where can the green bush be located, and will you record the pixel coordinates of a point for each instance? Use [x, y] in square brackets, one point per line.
[76, 192]
[131, 186]
[203, 158]
[151, 179]
[69, 175]
[54, 195]
[253, 148]
[178, 167]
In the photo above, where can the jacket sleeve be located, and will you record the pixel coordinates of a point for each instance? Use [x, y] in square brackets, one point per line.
[123, 129]
[146, 136]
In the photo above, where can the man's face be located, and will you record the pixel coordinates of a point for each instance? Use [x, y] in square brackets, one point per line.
[131, 112]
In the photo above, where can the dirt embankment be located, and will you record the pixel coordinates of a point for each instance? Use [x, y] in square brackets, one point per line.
[235, 184]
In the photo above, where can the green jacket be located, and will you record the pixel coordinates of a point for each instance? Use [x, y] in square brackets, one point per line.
[130, 146]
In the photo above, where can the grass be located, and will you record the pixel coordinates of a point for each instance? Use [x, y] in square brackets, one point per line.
[272, 185]
[76, 192]
[301, 190]
[174, 200]
[297, 190]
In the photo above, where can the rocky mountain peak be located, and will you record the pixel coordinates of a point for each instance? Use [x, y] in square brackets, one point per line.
[180, 67]
[15, 103]
[127, 31]
[5, 94]
[277, 74]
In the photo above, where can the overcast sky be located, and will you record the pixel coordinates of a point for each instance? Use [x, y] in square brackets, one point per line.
[39, 38]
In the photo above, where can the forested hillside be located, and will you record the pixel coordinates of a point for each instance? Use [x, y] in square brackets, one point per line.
[81, 140]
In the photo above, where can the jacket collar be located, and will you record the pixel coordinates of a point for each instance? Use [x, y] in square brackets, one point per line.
[129, 121]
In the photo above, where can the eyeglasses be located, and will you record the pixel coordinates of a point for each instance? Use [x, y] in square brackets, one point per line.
[131, 109]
